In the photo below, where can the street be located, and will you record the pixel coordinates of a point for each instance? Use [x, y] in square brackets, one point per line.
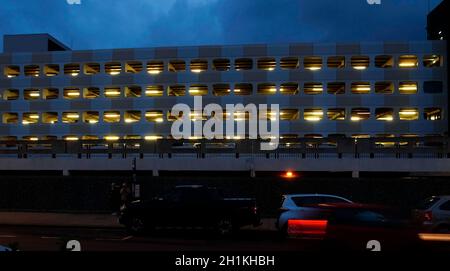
[31, 238]
[42, 238]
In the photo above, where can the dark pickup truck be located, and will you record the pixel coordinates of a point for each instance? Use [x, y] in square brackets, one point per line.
[191, 206]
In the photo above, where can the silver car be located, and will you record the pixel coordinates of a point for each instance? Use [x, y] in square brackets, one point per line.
[4, 249]
[433, 214]
[300, 206]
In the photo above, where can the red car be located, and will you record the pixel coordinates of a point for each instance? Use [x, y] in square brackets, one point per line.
[362, 227]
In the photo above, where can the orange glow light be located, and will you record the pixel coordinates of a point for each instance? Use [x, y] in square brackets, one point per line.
[289, 175]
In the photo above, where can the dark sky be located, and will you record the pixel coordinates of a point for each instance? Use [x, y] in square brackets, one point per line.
[99, 24]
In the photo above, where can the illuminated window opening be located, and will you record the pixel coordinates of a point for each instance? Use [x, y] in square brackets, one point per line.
[408, 87]
[31, 94]
[113, 68]
[176, 90]
[289, 89]
[199, 65]
[336, 114]
[30, 138]
[384, 61]
[336, 62]
[133, 91]
[267, 89]
[71, 93]
[289, 63]
[243, 89]
[113, 92]
[312, 63]
[10, 118]
[336, 88]
[408, 114]
[72, 69]
[49, 138]
[111, 137]
[408, 61]
[133, 137]
[50, 94]
[8, 138]
[155, 91]
[313, 114]
[221, 89]
[198, 90]
[432, 61]
[11, 71]
[359, 114]
[50, 117]
[171, 117]
[70, 117]
[157, 67]
[30, 118]
[286, 114]
[221, 64]
[384, 114]
[133, 67]
[132, 116]
[51, 70]
[154, 116]
[243, 64]
[91, 117]
[384, 135]
[313, 88]
[360, 136]
[177, 66]
[289, 136]
[384, 87]
[11, 94]
[91, 68]
[316, 136]
[153, 137]
[71, 138]
[432, 113]
[111, 116]
[267, 64]
[89, 137]
[361, 88]
[360, 62]
[91, 93]
[32, 70]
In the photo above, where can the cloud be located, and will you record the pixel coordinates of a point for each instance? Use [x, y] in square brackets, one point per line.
[143, 23]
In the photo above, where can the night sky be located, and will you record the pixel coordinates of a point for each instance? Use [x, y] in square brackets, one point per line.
[97, 24]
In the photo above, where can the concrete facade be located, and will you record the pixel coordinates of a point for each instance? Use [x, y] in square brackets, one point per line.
[284, 74]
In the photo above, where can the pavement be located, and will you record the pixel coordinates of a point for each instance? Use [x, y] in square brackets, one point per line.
[83, 220]
[58, 220]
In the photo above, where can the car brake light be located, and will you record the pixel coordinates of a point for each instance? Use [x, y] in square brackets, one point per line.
[307, 228]
[428, 216]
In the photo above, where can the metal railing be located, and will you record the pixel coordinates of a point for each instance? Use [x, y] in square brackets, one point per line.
[414, 147]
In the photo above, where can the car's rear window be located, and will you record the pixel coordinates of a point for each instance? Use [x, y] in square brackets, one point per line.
[427, 203]
[303, 201]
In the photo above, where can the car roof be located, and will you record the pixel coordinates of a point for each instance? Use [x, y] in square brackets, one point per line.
[342, 206]
[313, 195]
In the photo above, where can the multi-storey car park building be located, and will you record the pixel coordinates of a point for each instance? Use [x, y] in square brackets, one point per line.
[353, 90]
